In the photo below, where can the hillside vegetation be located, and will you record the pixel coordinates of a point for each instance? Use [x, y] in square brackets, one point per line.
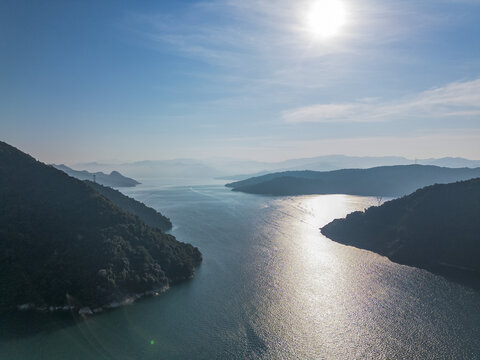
[149, 216]
[61, 242]
[436, 228]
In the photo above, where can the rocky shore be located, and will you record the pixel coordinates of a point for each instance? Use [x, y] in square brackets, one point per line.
[87, 310]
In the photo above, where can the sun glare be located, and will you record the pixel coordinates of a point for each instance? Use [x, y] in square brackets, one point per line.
[326, 17]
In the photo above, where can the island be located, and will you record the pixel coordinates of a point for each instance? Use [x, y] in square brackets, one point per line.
[114, 179]
[65, 246]
[385, 181]
[436, 228]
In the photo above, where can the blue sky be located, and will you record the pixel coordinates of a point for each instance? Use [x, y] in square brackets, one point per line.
[132, 80]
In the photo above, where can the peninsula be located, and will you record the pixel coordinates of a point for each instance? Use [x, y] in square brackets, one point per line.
[436, 228]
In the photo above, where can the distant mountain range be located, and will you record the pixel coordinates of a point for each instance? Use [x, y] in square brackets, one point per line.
[161, 170]
[233, 169]
[337, 162]
[64, 245]
[114, 179]
[378, 181]
[436, 228]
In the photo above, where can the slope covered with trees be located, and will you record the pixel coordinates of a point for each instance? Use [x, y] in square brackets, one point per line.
[149, 216]
[436, 228]
[62, 243]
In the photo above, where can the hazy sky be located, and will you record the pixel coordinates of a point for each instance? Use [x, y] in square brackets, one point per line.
[132, 80]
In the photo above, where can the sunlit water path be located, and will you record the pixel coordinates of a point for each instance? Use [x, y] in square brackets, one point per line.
[270, 287]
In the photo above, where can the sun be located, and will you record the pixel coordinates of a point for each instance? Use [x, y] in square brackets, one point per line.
[326, 17]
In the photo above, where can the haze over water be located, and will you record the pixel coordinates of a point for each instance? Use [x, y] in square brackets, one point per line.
[272, 287]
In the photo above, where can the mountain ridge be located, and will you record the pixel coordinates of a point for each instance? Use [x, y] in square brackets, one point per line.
[114, 179]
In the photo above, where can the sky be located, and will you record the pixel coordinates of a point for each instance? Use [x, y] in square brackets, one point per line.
[125, 80]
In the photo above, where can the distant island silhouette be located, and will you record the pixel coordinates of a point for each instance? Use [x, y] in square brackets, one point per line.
[436, 228]
[389, 181]
[66, 246]
[114, 179]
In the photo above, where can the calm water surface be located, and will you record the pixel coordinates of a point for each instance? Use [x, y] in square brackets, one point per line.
[270, 287]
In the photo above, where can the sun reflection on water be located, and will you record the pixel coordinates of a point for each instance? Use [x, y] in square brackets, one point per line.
[311, 267]
[272, 287]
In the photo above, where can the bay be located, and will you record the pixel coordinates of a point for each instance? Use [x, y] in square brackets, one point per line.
[270, 287]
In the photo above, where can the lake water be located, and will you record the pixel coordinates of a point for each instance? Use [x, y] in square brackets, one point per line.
[270, 287]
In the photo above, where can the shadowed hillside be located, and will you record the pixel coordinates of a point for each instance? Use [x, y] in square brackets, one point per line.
[61, 242]
[436, 228]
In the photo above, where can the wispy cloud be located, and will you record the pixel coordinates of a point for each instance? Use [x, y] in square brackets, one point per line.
[461, 142]
[458, 99]
[270, 39]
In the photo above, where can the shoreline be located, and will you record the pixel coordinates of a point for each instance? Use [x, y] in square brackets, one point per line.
[89, 310]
